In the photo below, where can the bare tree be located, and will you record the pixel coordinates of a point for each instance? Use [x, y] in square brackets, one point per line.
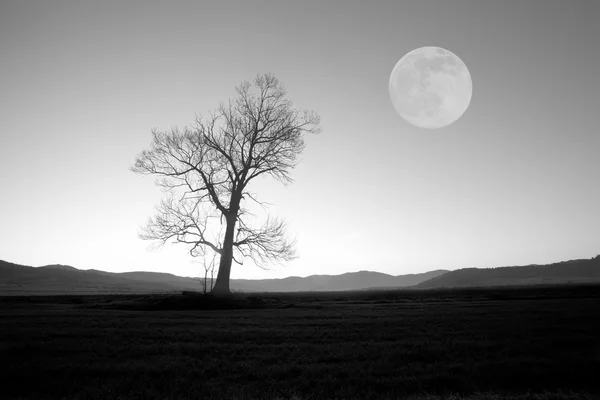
[208, 264]
[206, 171]
[212, 273]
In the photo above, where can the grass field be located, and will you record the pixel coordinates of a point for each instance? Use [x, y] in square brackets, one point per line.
[470, 344]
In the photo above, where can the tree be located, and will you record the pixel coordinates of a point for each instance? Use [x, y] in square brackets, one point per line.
[208, 264]
[207, 169]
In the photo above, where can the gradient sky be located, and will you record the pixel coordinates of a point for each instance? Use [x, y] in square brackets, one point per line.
[514, 181]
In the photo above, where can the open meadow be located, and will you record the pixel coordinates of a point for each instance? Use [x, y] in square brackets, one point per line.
[524, 343]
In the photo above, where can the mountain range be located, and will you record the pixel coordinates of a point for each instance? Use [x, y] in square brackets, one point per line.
[49, 279]
[18, 279]
[573, 271]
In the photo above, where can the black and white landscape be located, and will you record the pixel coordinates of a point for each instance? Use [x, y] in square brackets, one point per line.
[299, 199]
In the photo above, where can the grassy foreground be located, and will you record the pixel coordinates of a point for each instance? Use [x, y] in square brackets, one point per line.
[475, 345]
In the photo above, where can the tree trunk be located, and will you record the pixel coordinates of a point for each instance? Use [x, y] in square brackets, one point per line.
[221, 287]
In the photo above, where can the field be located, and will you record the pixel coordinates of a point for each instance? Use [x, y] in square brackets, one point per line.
[524, 343]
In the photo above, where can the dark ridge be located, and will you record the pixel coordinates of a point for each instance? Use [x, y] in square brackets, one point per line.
[565, 272]
[62, 279]
[55, 279]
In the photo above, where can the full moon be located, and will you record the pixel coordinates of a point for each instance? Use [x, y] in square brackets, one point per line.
[430, 87]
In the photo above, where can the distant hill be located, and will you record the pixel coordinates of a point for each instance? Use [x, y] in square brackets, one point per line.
[348, 281]
[20, 279]
[574, 271]
[61, 279]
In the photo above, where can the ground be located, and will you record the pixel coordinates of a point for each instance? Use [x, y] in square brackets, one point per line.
[463, 344]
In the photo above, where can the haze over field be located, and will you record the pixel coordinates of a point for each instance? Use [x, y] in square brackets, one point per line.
[512, 182]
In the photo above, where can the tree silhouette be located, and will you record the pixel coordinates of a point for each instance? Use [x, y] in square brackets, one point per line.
[206, 171]
[208, 265]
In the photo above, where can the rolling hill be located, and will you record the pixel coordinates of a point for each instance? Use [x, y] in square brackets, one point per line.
[61, 279]
[574, 271]
[51, 279]
[348, 281]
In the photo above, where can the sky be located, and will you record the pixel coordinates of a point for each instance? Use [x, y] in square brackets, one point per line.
[515, 181]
